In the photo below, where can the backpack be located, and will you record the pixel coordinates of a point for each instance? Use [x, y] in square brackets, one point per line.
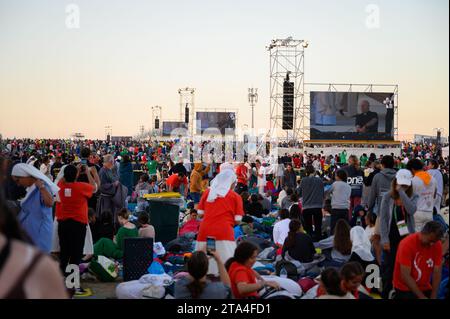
[290, 268]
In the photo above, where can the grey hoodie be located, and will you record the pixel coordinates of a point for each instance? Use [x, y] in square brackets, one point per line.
[385, 214]
[381, 184]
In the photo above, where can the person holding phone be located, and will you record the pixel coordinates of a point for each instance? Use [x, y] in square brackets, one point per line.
[222, 209]
[196, 285]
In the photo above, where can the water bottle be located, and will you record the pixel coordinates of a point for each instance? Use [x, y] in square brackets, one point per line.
[283, 273]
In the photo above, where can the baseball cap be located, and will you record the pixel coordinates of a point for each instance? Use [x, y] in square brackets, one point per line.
[404, 177]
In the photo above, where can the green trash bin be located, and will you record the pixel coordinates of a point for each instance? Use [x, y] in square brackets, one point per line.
[164, 217]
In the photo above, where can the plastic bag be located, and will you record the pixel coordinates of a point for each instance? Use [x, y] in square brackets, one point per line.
[155, 268]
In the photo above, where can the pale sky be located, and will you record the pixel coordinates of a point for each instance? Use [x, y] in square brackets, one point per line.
[129, 55]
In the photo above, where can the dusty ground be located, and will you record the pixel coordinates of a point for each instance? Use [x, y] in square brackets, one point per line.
[100, 290]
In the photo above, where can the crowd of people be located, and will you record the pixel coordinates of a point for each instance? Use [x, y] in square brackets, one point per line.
[303, 226]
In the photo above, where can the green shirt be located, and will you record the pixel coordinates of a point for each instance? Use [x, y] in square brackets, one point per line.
[363, 160]
[125, 233]
[343, 157]
[151, 165]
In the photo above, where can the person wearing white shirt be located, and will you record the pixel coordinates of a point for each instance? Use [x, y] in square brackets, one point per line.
[261, 173]
[433, 169]
[424, 185]
[281, 228]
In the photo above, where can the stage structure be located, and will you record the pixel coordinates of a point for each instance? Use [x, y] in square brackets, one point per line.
[156, 121]
[187, 107]
[287, 64]
[78, 136]
[348, 88]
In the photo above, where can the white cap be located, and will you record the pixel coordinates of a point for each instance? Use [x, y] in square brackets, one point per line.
[404, 177]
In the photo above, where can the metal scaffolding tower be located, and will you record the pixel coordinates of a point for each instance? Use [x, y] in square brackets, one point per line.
[156, 114]
[287, 55]
[187, 101]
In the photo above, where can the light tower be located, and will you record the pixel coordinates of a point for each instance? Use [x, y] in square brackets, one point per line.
[253, 99]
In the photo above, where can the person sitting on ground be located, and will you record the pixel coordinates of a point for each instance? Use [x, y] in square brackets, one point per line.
[298, 244]
[245, 282]
[287, 202]
[330, 286]
[145, 229]
[295, 212]
[197, 286]
[361, 247]
[253, 189]
[142, 188]
[103, 227]
[358, 217]
[351, 278]
[266, 202]
[247, 225]
[114, 248]
[192, 225]
[281, 228]
[255, 208]
[245, 201]
[281, 196]
[370, 228]
[337, 248]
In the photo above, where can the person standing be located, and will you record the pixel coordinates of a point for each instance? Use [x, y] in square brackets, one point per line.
[195, 186]
[355, 178]
[242, 178]
[418, 265]
[126, 174]
[25, 272]
[340, 193]
[109, 182]
[311, 190]
[396, 220]
[261, 177]
[424, 185]
[222, 209]
[289, 179]
[45, 168]
[178, 183]
[433, 169]
[152, 165]
[381, 184]
[343, 157]
[56, 167]
[72, 214]
[35, 214]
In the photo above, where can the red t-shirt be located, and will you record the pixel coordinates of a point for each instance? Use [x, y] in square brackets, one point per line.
[240, 273]
[174, 181]
[421, 259]
[190, 226]
[241, 173]
[219, 216]
[74, 201]
[297, 162]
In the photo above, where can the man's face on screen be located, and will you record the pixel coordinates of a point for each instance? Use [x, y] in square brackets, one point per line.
[364, 106]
